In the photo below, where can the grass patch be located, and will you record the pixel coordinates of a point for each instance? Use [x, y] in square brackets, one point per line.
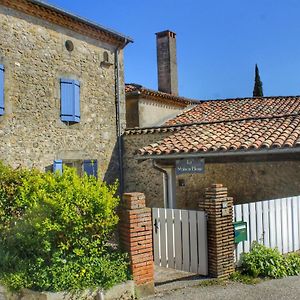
[212, 282]
[246, 279]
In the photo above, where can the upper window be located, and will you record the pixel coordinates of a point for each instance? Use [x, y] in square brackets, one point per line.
[70, 100]
[1, 90]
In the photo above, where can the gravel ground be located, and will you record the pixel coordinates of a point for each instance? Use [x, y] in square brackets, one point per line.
[287, 288]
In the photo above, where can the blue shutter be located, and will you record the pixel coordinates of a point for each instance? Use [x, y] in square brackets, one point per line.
[1, 90]
[70, 100]
[90, 167]
[58, 166]
[76, 101]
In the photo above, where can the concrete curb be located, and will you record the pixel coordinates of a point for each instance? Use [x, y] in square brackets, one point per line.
[123, 291]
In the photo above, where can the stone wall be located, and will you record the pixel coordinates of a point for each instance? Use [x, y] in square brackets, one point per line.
[146, 113]
[246, 181]
[35, 58]
[140, 176]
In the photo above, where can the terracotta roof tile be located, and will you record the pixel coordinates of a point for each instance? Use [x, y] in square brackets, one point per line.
[263, 133]
[240, 108]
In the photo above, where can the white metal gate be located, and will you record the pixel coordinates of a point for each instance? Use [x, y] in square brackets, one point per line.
[180, 239]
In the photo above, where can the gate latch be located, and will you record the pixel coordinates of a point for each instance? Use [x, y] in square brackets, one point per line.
[156, 225]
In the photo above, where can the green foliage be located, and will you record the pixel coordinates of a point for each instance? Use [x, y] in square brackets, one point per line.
[292, 264]
[54, 231]
[212, 282]
[10, 208]
[266, 262]
[243, 278]
[258, 86]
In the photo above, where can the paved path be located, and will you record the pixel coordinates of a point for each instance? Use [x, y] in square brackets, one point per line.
[286, 288]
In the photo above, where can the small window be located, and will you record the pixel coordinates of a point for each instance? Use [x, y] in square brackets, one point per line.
[105, 57]
[70, 100]
[1, 90]
[90, 166]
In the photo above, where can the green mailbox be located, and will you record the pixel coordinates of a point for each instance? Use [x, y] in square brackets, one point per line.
[240, 231]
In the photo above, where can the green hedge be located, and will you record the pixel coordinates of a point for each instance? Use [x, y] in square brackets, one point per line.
[54, 231]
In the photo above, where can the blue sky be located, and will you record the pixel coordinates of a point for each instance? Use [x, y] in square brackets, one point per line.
[218, 42]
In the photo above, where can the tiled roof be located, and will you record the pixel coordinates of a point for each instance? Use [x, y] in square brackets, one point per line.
[228, 126]
[240, 108]
[133, 89]
[263, 133]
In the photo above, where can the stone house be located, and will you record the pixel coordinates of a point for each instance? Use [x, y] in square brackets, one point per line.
[62, 98]
[251, 145]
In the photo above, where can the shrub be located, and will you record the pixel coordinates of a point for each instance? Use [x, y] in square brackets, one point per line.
[10, 181]
[54, 236]
[293, 264]
[267, 262]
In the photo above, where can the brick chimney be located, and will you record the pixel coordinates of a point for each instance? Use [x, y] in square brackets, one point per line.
[167, 62]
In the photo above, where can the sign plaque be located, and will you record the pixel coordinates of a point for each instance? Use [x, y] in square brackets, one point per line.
[189, 166]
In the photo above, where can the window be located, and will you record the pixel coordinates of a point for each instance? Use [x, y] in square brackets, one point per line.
[90, 167]
[70, 100]
[1, 90]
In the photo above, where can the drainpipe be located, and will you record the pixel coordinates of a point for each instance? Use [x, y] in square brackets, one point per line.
[118, 115]
[166, 182]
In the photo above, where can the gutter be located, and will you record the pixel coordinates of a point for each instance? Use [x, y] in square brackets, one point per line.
[219, 154]
[118, 114]
[116, 34]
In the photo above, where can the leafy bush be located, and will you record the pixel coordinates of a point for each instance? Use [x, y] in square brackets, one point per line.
[10, 181]
[267, 262]
[54, 232]
[293, 264]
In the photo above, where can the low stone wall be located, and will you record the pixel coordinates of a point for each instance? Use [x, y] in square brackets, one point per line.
[123, 291]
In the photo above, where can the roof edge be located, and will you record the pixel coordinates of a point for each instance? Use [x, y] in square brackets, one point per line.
[122, 39]
[220, 153]
[153, 94]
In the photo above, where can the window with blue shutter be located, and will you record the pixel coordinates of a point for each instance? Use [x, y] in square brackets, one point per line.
[90, 167]
[58, 165]
[1, 90]
[70, 100]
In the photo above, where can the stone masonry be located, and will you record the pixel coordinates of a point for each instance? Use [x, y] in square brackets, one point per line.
[219, 209]
[35, 58]
[136, 239]
[269, 179]
[167, 62]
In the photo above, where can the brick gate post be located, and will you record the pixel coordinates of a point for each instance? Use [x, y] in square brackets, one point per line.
[219, 209]
[136, 239]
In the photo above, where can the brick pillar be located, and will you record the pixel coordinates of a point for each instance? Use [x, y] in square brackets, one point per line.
[136, 239]
[219, 209]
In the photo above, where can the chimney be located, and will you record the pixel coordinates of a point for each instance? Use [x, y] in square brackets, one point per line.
[167, 62]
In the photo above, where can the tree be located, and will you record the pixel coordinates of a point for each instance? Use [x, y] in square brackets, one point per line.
[258, 86]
